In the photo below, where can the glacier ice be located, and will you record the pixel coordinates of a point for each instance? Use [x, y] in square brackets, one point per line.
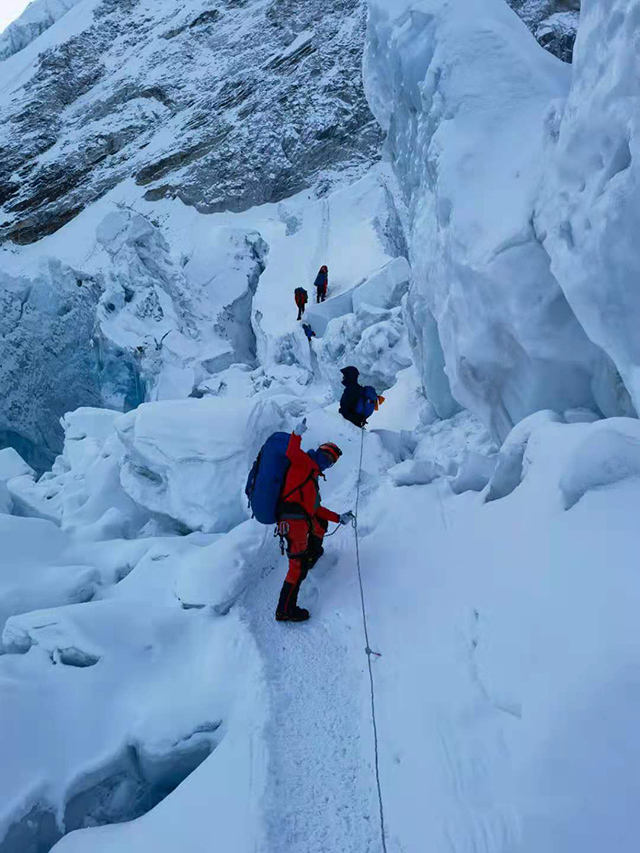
[466, 96]
[47, 362]
[187, 460]
[588, 214]
[609, 453]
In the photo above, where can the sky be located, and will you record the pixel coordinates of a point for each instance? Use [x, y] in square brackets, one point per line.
[9, 11]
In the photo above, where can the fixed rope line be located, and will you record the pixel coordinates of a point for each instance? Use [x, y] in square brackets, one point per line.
[369, 652]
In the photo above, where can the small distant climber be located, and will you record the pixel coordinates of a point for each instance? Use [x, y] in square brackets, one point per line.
[358, 402]
[322, 283]
[283, 487]
[308, 331]
[302, 297]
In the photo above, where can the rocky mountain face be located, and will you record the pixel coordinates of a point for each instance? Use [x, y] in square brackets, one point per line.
[553, 22]
[223, 104]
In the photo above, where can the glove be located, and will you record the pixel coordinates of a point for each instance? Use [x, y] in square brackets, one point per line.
[347, 517]
[301, 428]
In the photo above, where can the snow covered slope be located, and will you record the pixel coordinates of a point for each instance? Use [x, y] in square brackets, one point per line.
[36, 18]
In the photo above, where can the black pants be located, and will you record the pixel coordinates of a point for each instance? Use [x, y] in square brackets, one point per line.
[353, 418]
[300, 311]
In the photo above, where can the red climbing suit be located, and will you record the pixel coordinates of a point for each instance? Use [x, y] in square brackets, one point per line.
[305, 518]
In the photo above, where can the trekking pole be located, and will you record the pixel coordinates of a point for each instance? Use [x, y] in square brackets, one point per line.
[369, 652]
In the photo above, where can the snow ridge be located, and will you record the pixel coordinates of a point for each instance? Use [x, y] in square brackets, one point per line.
[36, 18]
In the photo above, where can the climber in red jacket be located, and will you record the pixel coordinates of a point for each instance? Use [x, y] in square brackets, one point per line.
[302, 520]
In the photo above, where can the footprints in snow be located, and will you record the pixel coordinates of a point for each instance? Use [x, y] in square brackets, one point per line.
[502, 704]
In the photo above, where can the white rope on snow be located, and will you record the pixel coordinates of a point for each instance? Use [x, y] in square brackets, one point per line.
[369, 652]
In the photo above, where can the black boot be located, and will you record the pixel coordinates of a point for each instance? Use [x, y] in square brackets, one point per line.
[288, 610]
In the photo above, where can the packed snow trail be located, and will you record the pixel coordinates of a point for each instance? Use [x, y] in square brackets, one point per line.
[322, 795]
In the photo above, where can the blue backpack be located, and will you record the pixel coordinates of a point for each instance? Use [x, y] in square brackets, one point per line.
[266, 478]
[367, 401]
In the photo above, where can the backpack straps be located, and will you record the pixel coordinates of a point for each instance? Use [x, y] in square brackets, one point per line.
[284, 498]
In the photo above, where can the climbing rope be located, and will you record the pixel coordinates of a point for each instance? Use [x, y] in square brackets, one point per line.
[369, 652]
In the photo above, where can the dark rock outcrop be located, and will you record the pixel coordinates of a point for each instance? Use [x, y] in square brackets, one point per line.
[553, 22]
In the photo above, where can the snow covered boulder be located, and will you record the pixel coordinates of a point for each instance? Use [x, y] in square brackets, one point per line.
[372, 339]
[608, 454]
[454, 447]
[459, 449]
[188, 460]
[415, 472]
[218, 574]
[385, 287]
[83, 492]
[474, 473]
[33, 499]
[13, 465]
[509, 466]
[33, 570]
[6, 503]
[137, 696]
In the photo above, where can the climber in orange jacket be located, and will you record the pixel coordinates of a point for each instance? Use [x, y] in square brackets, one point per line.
[302, 520]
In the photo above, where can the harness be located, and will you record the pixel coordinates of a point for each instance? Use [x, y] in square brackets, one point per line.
[295, 511]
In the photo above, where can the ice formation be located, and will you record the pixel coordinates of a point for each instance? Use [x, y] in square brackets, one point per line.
[472, 107]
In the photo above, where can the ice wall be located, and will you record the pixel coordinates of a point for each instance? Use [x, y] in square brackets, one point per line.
[467, 98]
[47, 363]
[589, 213]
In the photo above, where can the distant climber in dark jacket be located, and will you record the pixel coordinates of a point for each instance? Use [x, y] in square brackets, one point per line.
[301, 298]
[322, 283]
[358, 403]
[351, 395]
